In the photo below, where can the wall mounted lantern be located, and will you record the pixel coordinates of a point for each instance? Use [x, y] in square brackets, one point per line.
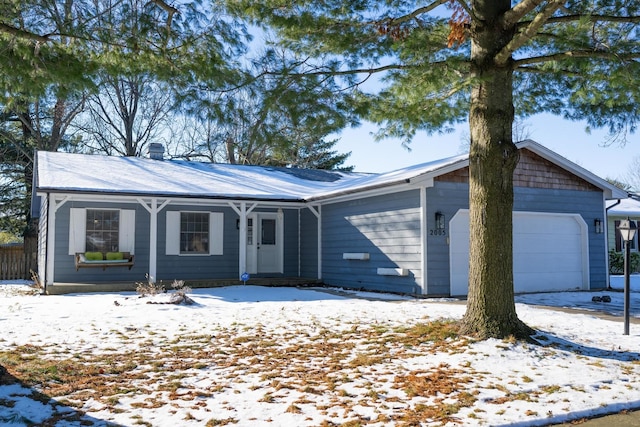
[597, 223]
[439, 221]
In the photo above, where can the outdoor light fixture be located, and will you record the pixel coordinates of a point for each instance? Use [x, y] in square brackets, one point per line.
[597, 223]
[627, 230]
[439, 221]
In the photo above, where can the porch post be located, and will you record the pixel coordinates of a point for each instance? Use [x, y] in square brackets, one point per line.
[242, 244]
[153, 240]
[153, 210]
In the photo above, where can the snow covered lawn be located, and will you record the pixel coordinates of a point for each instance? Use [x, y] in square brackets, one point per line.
[256, 356]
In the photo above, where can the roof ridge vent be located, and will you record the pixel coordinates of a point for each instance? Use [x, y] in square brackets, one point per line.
[156, 151]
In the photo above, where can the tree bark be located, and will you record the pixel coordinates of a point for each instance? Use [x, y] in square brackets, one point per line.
[492, 161]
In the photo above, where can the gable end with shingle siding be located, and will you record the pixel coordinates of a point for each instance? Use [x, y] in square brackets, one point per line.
[533, 171]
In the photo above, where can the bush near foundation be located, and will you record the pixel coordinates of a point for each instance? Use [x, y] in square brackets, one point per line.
[616, 262]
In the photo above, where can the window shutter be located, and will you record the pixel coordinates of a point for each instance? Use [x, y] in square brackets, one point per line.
[172, 246]
[618, 236]
[127, 230]
[77, 230]
[216, 233]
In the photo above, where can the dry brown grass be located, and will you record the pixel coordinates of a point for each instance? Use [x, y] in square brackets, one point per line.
[319, 369]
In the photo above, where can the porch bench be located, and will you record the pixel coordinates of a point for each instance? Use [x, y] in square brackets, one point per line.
[104, 260]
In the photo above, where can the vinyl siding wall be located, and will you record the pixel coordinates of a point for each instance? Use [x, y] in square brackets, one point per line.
[387, 228]
[291, 243]
[64, 268]
[448, 197]
[225, 266]
[169, 267]
[198, 267]
[308, 244]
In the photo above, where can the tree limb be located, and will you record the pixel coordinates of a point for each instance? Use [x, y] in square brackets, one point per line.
[592, 18]
[511, 17]
[413, 15]
[170, 12]
[522, 37]
[576, 54]
[23, 34]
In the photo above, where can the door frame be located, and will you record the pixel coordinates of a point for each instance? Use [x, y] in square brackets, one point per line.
[252, 249]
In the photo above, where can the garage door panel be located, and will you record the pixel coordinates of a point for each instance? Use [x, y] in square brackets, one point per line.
[549, 252]
[553, 244]
[544, 282]
[534, 262]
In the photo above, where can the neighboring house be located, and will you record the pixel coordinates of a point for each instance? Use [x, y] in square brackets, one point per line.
[617, 210]
[404, 231]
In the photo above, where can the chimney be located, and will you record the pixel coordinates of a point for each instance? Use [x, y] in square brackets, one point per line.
[156, 151]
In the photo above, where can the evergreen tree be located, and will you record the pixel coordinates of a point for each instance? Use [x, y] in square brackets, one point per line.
[446, 61]
[275, 116]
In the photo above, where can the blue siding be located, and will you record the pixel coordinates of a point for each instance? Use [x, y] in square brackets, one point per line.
[64, 268]
[308, 244]
[168, 267]
[448, 198]
[387, 227]
[291, 243]
[199, 267]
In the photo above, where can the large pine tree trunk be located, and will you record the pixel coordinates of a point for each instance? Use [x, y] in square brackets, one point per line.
[493, 158]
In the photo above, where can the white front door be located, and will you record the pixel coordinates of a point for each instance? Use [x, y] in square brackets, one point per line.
[264, 243]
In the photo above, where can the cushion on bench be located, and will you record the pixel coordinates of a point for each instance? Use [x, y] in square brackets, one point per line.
[93, 256]
[113, 256]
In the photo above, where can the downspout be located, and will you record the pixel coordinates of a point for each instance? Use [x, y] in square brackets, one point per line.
[423, 240]
[46, 251]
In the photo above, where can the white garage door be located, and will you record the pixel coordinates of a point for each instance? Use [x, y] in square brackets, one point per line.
[550, 252]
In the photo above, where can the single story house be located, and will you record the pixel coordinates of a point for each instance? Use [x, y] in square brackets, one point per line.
[617, 210]
[405, 231]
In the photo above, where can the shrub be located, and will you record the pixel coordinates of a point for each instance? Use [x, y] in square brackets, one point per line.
[616, 262]
[149, 288]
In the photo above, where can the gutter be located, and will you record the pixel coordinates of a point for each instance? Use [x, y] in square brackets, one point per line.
[170, 195]
[357, 190]
[613, 205]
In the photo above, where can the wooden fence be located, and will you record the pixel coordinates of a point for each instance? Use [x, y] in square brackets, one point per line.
[16, 263]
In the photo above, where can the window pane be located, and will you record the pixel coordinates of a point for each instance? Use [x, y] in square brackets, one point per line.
[268, 231]
[102, 230]
[194, 232]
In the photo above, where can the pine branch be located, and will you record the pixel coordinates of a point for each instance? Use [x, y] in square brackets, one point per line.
[595, 18]
[413, 15]
[631, 56]
[529, 32]
[23, 34]
[514, 15]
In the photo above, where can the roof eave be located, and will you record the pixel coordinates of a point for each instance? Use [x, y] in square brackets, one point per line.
[168, 195]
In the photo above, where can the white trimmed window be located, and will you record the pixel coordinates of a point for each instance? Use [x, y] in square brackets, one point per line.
[101, 230]
[194, 233]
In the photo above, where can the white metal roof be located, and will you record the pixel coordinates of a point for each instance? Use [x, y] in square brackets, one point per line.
[84, 173]
[65, 172]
